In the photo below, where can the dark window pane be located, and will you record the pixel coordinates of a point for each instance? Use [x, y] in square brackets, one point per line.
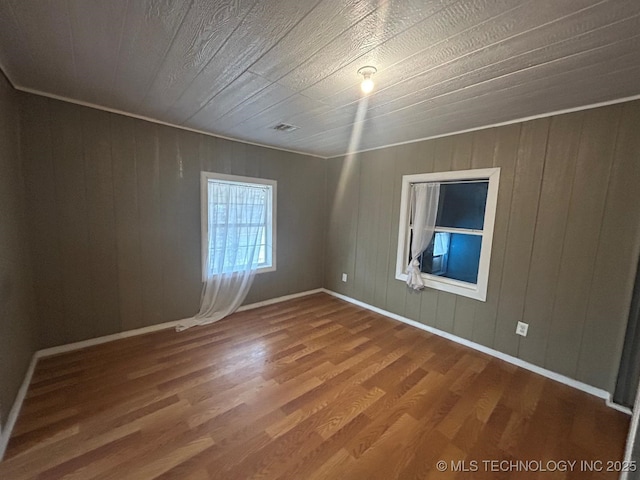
[453, 255]
[462, 205]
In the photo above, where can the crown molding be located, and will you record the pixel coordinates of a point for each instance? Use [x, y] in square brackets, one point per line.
[154, 120]
[500, 124]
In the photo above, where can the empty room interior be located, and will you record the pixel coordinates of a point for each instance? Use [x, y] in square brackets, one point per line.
[319, 239]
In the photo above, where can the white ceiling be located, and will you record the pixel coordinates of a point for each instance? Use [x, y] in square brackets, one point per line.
[238, 67]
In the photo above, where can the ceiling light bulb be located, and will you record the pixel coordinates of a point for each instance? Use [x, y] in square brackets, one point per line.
[367, 85]
[367, 82]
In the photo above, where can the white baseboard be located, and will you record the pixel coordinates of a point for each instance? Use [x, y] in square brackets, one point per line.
[154, 328]
[616, 406]
[5, 432]
[69, 347]
[597, 392]
[17, 405]
[279, 299]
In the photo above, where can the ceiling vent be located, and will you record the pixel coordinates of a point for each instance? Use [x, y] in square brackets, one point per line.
[285, 127]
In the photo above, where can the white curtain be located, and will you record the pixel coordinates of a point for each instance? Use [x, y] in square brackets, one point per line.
[236, 237]
[424, 208]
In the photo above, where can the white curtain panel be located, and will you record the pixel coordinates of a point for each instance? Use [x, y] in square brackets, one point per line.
[424, 209]
[236, 231]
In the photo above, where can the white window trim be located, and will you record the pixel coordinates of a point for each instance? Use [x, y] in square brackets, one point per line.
[476, 291]
[204, 214]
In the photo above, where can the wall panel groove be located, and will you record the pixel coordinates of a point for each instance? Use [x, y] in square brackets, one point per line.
[550, 229]
[581, 239]
[610, 293]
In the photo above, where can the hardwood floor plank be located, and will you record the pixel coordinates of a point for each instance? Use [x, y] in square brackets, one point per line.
[311, 388]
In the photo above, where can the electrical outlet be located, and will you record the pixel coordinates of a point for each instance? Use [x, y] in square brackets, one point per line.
[522, 329]
[344, 277]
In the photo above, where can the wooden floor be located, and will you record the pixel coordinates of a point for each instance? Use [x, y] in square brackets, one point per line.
[313, 388]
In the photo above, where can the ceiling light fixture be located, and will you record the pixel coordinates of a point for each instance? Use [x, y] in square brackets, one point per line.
[367, 82]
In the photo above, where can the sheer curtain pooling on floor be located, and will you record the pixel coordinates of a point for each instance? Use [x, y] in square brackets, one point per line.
[236, 245]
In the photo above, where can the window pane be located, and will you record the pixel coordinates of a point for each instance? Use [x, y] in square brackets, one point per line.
[462, 205]
[238, 216]
[453, 255]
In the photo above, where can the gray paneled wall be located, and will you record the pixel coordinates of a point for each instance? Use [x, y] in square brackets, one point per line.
[566, 241]
[115, 210]
[17, 332]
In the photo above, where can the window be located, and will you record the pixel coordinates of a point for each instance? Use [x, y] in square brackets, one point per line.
[232, 214]
[457, 259]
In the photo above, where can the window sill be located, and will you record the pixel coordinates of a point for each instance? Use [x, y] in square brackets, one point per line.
[271, 268]
[456, 287]
[260, 270]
